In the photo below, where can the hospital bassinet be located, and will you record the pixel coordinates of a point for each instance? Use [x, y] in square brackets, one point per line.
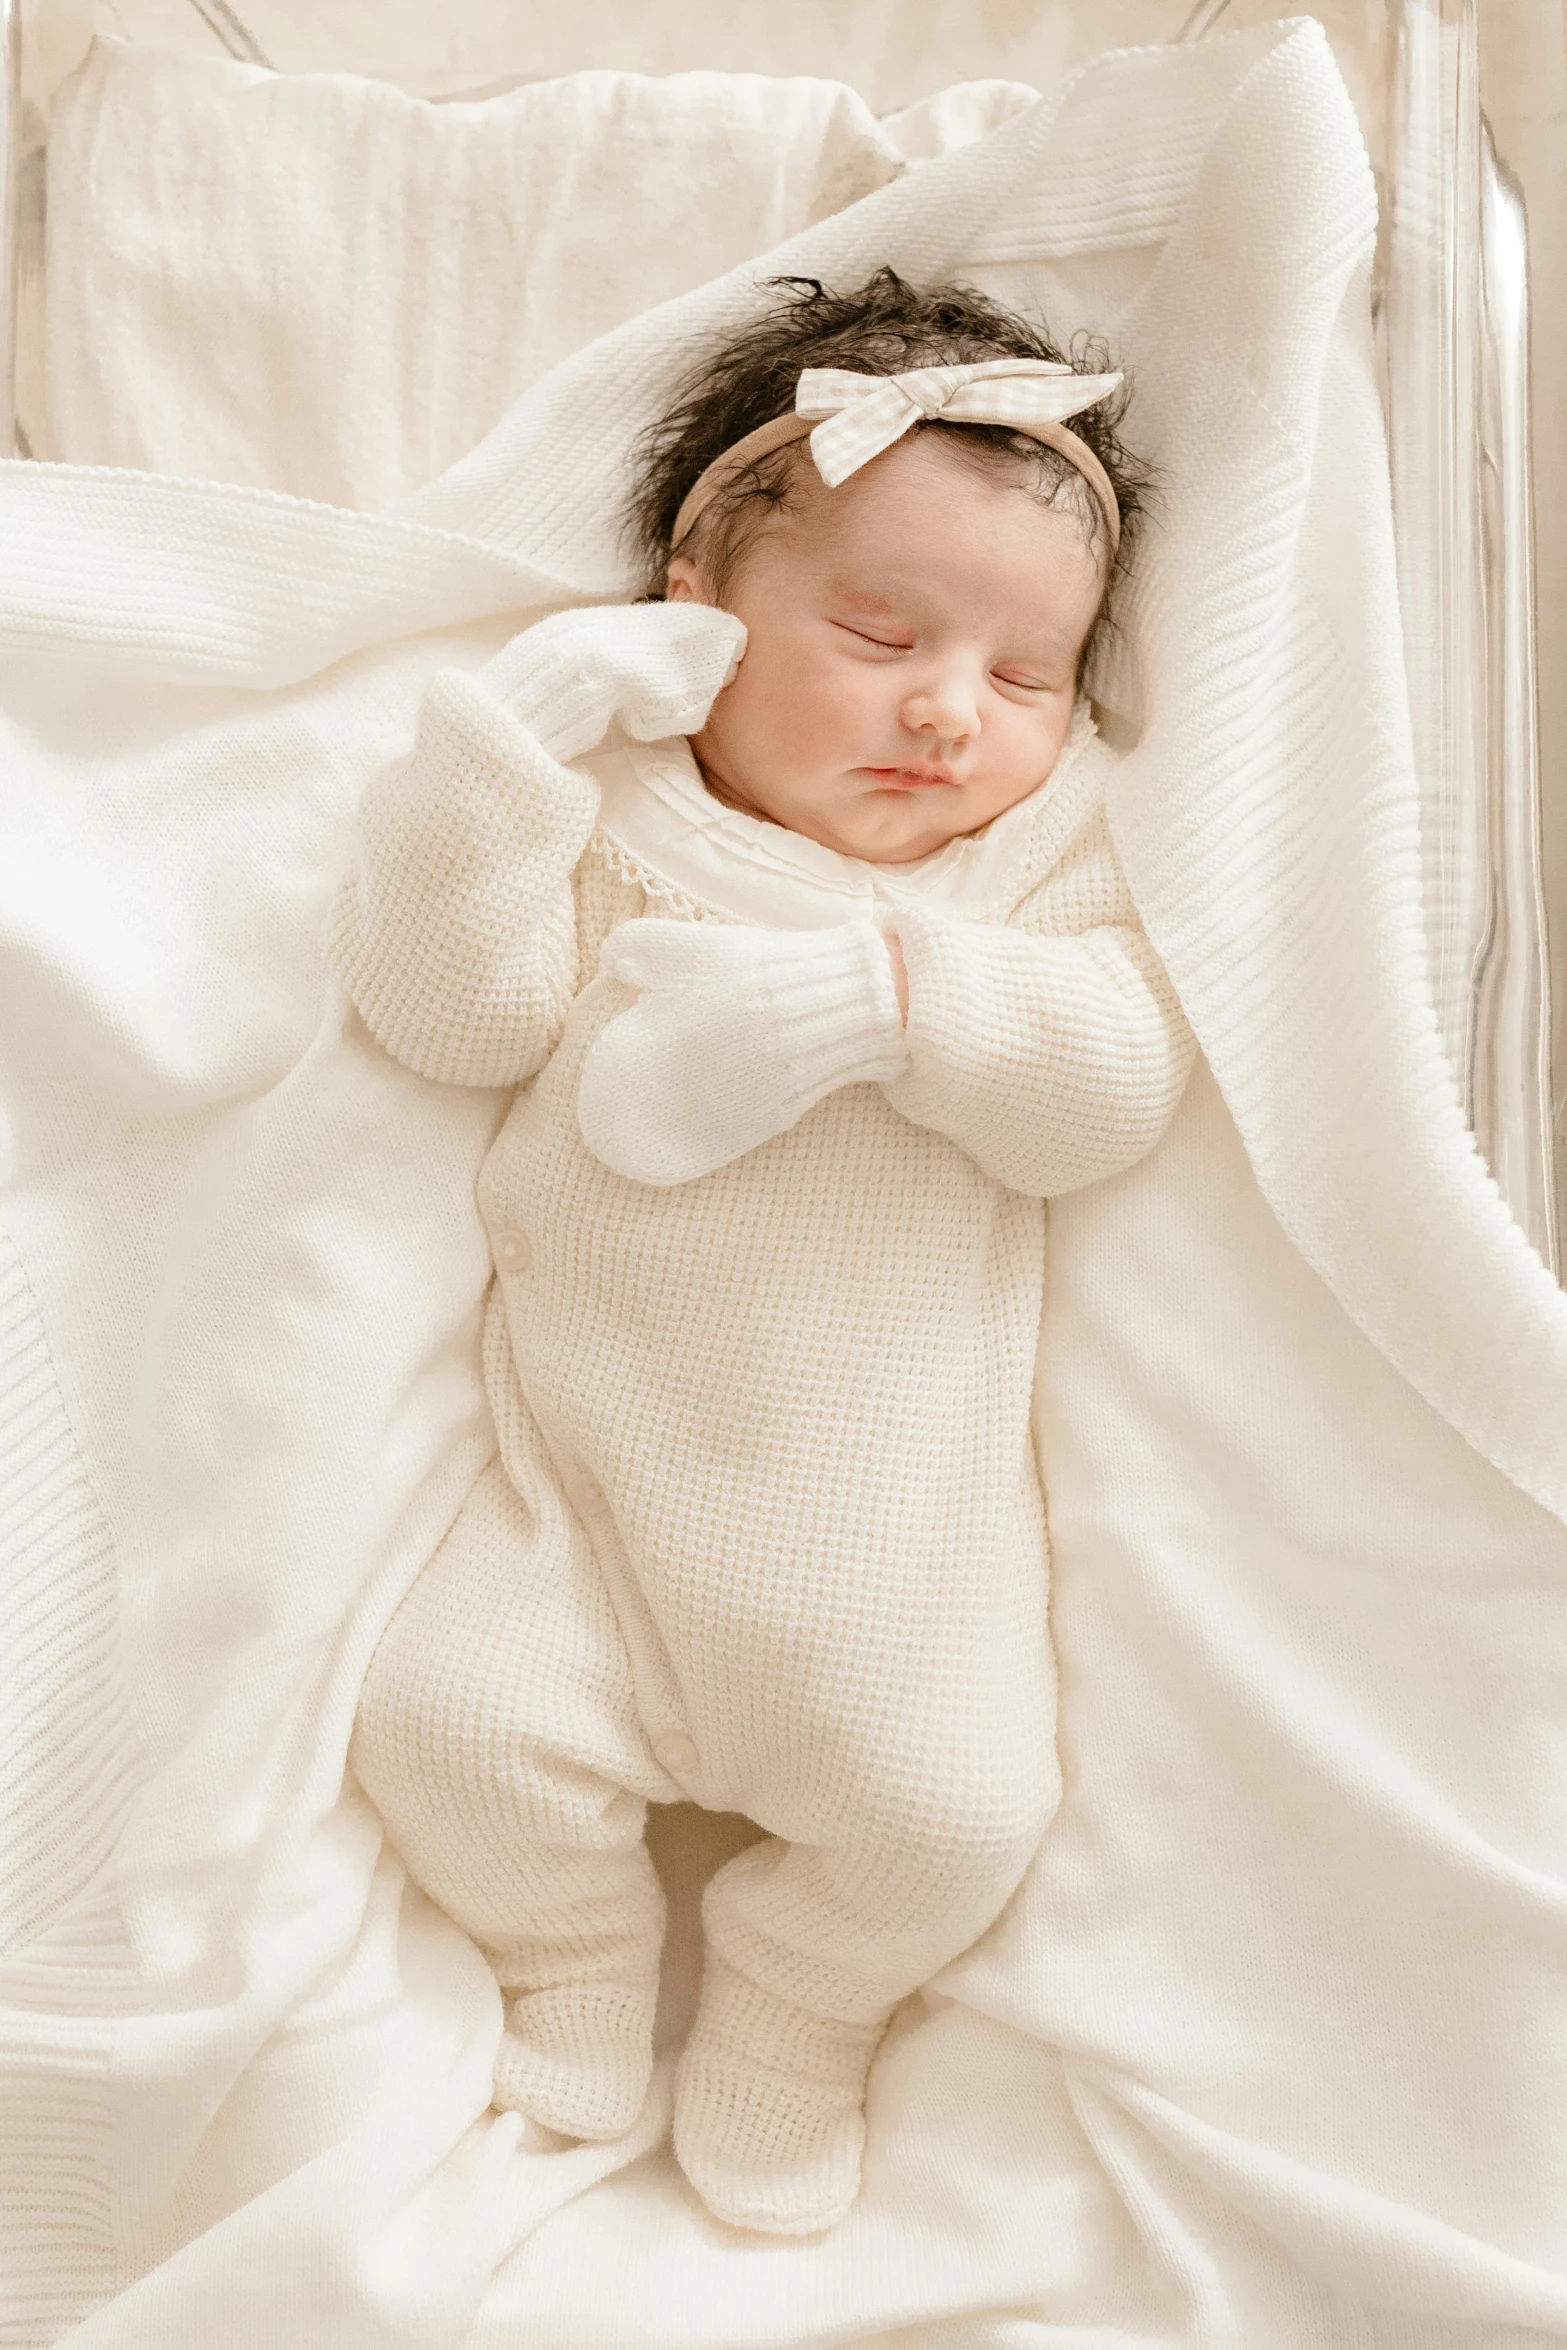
[1267, 2057]
[1462, 381]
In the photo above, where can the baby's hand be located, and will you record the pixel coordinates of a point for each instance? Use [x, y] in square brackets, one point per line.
[658, 668]
[734, 1035]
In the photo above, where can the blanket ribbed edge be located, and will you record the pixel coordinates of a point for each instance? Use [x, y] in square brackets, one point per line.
[201, 582]
[68, 1766]
[56, 2199]
[1269, 818]
[67, 1750]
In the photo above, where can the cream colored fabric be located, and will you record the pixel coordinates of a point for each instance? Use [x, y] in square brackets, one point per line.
[1260, 2052]
[789, 1402]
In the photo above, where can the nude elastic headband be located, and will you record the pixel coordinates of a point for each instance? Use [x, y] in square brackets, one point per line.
[867, 413]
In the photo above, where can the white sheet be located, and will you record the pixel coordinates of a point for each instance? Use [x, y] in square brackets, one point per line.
[319, 285]
[1268, 2049]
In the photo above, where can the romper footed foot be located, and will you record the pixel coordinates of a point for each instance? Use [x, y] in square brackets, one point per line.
[770, 2108]
[581, 1992]
[578, 2057]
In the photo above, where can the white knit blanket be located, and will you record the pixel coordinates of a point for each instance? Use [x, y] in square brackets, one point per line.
[1268, 2050]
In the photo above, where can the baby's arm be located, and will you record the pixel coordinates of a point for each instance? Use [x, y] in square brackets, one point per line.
[455, 934]
[1052, 1048]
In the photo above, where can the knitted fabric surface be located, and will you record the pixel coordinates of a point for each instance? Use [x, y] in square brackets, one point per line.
[790, 1403]
[1263, 2047]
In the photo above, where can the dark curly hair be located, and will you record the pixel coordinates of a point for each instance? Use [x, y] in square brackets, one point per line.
[881, 327]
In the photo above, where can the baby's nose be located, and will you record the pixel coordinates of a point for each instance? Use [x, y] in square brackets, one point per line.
[948, 708]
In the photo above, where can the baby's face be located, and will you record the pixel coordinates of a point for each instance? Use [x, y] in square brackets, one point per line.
[911, 662]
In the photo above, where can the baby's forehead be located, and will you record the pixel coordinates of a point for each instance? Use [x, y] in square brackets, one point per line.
[921, 502]
[919, 536]
[846, 587]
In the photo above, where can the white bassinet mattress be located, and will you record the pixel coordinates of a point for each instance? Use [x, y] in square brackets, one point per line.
[1267, 2050]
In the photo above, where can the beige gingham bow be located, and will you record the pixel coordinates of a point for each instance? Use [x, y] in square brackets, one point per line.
[867, 413]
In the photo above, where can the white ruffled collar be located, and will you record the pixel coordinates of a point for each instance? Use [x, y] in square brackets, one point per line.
[665, 823]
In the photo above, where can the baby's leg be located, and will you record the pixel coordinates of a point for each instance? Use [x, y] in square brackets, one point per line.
[497, 1736]
[811, 1944]
[808, 1952]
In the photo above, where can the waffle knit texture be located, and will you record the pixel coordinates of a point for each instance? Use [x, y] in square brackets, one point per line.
[788, 1402]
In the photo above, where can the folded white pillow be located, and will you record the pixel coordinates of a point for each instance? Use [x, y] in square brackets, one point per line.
[316, 283]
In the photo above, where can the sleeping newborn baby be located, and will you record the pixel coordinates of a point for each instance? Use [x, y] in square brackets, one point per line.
[816, 980]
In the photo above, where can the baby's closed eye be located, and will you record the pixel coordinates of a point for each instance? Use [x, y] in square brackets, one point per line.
[890, 643]
[1021, 680]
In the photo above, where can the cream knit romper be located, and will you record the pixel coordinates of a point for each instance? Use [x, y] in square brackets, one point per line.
[764, 1529]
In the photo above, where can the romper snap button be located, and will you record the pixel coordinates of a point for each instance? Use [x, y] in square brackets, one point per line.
[677, 1753]
[588, 1496]
[513, 1253]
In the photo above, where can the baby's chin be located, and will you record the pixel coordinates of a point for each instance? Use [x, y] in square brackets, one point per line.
[895, 828]
[886, 827]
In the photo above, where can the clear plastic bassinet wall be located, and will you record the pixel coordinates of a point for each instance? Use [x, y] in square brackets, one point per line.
[1464, 107]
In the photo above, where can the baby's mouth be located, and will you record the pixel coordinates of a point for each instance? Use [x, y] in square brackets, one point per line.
[911, 778]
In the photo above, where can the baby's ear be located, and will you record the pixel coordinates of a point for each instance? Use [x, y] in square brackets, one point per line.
[686, 583]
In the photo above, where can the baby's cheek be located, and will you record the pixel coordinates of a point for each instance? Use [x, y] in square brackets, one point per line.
[755, 713]
[848, 716]
[1032, 738]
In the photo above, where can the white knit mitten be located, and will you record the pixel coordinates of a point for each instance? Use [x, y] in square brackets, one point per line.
[735, 1034]
[658, 668]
